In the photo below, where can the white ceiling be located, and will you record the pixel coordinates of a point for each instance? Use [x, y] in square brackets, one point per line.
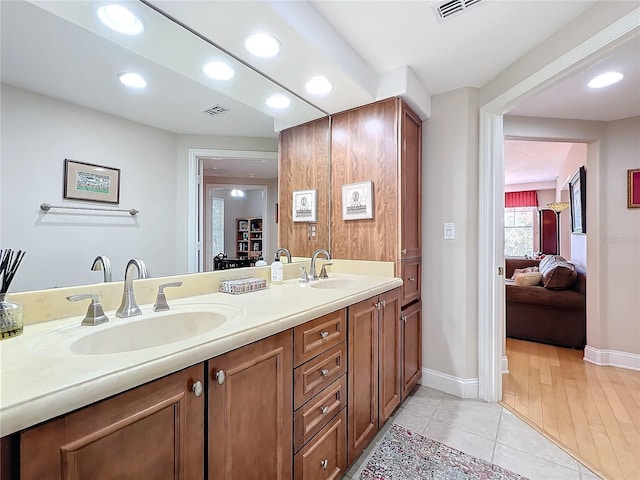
[533, 161]
[353, 43]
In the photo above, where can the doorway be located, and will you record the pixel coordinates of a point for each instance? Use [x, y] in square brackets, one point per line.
[491, 199]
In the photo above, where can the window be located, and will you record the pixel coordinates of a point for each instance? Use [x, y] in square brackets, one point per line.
[518, 231]
[217, 225]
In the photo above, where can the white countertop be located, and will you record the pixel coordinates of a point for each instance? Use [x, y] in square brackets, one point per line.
[41, 378]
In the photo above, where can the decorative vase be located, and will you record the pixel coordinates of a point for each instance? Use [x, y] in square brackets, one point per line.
[10, 318]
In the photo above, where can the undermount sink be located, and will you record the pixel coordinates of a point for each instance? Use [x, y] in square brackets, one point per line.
[334, 284]
[152, 331]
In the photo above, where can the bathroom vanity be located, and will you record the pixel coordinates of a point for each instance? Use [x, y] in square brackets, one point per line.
[271, 392]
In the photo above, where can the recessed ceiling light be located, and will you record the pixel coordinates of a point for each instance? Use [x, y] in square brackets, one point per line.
[319, 86]
[278, 100]
[132, 80]
[120, 19]
[262, 45]
[605, 80]
[219, 71]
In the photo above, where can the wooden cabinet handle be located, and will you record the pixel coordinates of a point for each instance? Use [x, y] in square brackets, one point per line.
[324, 372]
[324, 463]
[324, 334]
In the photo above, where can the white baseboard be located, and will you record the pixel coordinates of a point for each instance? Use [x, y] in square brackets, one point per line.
[504, 365]
[612, 358]
[460, 387]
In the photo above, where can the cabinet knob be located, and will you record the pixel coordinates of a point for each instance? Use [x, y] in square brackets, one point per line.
[324, 463]
[404, 251]
[324, 410]
[324, 334]
[220, 376]
[324, 372]
[197, 388]
[412, 279]
[404, 318]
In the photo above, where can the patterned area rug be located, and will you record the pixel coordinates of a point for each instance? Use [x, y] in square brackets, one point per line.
[405, 455]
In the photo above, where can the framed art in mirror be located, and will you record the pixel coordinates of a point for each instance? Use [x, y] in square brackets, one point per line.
[578, 198]
[94, 183]
[633, 188]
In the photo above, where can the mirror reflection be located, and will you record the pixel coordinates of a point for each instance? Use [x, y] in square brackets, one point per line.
[61, 98]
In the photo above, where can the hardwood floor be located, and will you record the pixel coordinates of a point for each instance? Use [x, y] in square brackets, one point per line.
[593, 412]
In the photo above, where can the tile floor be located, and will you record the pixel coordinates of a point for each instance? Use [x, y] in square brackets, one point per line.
[484, 430]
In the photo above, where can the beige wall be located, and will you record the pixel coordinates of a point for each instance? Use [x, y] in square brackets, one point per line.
[450, 279]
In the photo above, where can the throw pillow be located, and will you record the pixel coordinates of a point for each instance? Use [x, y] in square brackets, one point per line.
[518, 271]
[528, 279]
[557, 273]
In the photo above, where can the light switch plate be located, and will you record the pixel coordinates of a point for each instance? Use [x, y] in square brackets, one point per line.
[449, 231]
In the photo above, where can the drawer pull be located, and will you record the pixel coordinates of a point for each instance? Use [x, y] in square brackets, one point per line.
[197, 388]
[412, 279]
[324, 334]
[324, 410]
[404, 251]
[324, 372]
[324, 463]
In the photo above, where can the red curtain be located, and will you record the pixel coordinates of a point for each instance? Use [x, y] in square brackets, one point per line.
[521, 199]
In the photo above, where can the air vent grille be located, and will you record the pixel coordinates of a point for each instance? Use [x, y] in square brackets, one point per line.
[216, 110]
[445, 10]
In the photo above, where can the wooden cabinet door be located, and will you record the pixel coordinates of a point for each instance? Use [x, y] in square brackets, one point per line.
[411, 274]
[411, 183]
[362, 376]
[250, 411]
[411, 347]
[153, 431]
[389, 356]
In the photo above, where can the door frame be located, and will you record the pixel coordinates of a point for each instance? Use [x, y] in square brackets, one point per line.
[491, 332]
[195, 197]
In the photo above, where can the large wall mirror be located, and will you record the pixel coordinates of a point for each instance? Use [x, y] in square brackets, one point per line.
[61, 98]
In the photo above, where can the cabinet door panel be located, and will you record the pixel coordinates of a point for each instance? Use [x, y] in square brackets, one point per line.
[390, 344]
[411, 347]
[153, 431]
[362, 376]
[324, 457]
[411, 180]
[412, 280]
[250, 421]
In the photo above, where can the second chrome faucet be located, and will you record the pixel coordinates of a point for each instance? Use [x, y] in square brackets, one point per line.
[128, 306]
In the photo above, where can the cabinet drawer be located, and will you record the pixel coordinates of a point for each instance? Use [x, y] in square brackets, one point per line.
[314, 337]
[312, 377]
[325, 456]
[411, 276]
[317, 412]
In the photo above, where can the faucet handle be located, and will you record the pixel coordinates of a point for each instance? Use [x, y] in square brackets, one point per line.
[161, 304]
[323, 271]
[95, 314]
[304, 278]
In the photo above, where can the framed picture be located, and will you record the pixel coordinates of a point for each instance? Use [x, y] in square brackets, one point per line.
[578, 197]
[633, 188]
[357, 201]
[305, 205]
[94, 183]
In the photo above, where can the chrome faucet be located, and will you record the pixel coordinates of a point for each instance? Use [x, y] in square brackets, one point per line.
[312, 269]
[102, 263]
[128, 306]
[286, 252]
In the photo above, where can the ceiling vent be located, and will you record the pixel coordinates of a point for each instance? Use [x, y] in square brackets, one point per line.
[447, 9]
[215, 110]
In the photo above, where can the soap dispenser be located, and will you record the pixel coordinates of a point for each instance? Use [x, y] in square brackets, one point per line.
[277, 271]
